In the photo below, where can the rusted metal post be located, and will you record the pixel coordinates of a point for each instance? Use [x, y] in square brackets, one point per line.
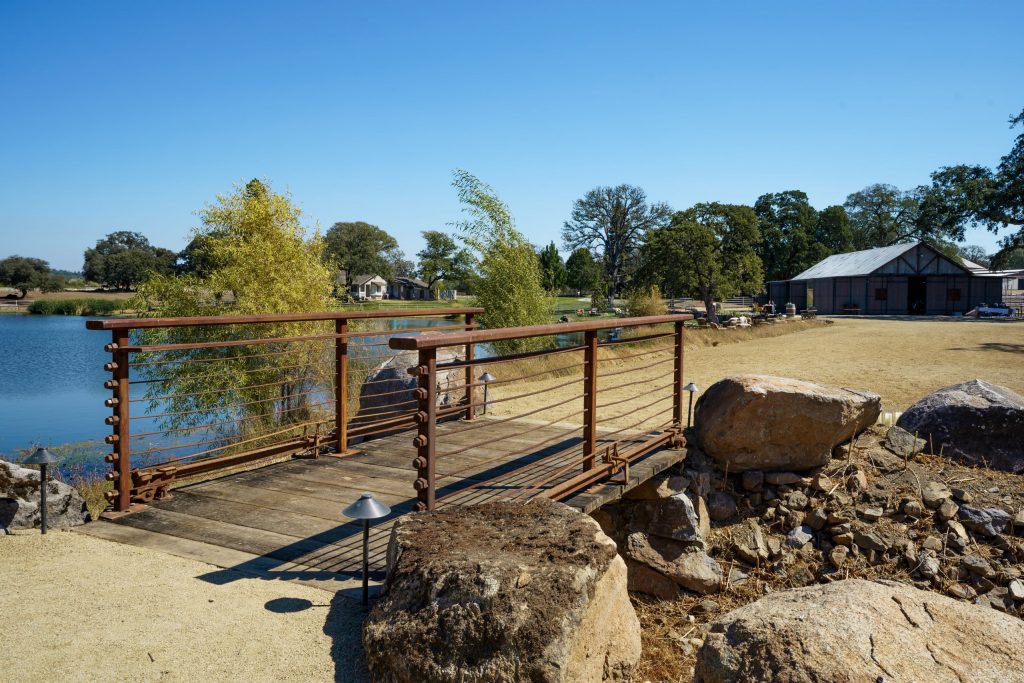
[341, 385]
[121, 429]
[426, 438]
[589, 398]
[470, 355]
[677, 390]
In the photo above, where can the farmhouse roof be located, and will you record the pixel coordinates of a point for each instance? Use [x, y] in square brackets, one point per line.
[415, 282]
[854, 263]
[363, 279]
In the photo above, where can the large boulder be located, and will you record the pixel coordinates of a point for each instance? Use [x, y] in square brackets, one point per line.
[19, 500]
[760, 422]
[857, 630]
[387, 392]
[502, 592]
[976, 421]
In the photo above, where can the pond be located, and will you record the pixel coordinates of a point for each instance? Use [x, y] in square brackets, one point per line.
[51, 381]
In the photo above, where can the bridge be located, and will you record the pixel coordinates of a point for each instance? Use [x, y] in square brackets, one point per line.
[237, 440]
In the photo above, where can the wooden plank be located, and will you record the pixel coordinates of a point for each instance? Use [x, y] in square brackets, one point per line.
[285, 500]
[345, 555]
[321, 481]
[323, 531]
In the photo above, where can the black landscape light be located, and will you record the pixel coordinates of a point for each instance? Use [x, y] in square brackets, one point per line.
[692, 388]
[41, 457]
[486, 378]
[366, 508]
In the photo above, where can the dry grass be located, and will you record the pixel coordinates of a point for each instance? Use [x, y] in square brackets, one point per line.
[898, 359]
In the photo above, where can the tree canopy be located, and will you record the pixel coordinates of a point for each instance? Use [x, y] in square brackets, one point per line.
[965, 195]
[25, 273]
[882, 215]
[360, 248]
[442, 259]
[788, 225]
[509, 287]
[261, 260]
[552, 269]
[125, 259]
[707, 251]
[581, 271]
[613, 220]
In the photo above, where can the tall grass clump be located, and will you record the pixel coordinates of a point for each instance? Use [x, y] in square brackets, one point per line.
[75, 307]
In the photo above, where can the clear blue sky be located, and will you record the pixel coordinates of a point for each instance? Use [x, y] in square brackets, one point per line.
[132, 115]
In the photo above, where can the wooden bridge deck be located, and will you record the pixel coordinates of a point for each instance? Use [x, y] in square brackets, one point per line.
[284, 520]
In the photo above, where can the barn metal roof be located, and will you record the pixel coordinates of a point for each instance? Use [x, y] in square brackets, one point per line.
[855, 263]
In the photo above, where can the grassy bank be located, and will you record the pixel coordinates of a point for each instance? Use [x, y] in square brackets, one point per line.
[75, 307]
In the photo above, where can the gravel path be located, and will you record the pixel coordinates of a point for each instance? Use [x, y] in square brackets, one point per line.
[80, 608]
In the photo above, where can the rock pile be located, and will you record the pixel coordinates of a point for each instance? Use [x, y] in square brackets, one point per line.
[878, 507]
[19, 500]
[502, 592]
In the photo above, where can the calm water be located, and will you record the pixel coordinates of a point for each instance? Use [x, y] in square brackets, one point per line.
[51, 380]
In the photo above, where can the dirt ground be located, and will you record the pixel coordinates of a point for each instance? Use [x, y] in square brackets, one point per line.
[83, 609]
[900, 359]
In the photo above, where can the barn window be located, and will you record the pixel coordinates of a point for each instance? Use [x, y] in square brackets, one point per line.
[953, 294]
[881, 294]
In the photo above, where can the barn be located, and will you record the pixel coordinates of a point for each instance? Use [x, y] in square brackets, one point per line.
[902, 279]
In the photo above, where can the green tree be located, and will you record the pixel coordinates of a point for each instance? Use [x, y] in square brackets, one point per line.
[965, 195]
[708, 251]
[362, 249]
[262, 261]
[552, 269]
[975, 253]
[833, 231]
[125, 259]
[788, 242]
[882, 215]
[442, 259]
[581, 271]
[25, 273]
[401, 266]
[509, 287]
[613, 220]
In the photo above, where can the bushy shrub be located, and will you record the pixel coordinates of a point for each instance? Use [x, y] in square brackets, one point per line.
[646, 301]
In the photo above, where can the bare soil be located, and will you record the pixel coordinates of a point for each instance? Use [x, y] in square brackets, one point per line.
[84, 609]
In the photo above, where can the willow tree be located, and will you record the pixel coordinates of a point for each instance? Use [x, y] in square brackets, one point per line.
[707, 251]
[259, 259]
[509, 287]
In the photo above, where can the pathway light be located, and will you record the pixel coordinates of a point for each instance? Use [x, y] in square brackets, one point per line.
[486, 378]
[41, 457]
[692, 388]
[366, 508]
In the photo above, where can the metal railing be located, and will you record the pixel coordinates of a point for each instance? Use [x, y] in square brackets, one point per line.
[573, 415]
[194, 395]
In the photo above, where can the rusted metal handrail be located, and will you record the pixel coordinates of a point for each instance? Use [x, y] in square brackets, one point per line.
[436, 341]
[591, 471]
[140, 484]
